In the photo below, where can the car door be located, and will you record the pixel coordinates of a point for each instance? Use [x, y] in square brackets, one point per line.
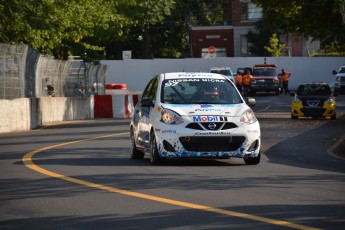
[143, 113]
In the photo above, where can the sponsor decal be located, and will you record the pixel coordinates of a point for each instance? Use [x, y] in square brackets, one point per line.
[252, 131]
[209, 118]
[212, 80]
[205, 106]
[208, 110]
[209, 133]
[173, 82]
[168, 131]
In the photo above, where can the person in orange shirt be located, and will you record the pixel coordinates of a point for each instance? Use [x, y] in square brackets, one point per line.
[246, 83]
[285, 81]
[239, 80]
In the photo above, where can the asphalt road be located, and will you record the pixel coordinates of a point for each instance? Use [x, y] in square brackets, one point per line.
[78, 175]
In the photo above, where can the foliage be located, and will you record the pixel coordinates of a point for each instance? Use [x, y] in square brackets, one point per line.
[59, 27]
[275, 47]
[92, 29]
[319, 19]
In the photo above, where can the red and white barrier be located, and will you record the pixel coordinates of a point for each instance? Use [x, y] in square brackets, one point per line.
[116, 105]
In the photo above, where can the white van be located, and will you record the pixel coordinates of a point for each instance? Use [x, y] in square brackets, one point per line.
[225, 70]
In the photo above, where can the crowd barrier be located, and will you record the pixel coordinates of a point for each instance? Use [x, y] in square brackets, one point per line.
[24, 114]
[115, 104]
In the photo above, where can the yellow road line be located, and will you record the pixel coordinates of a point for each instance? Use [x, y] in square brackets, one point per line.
[27, 160]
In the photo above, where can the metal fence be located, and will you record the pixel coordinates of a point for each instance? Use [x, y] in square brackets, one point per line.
[26, 73]
[12, 69]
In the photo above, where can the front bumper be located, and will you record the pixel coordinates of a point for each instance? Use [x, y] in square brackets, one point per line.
[178, 141]
[327, 110]
[264, 87]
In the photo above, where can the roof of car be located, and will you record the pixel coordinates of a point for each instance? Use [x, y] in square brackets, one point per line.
[314, 83]
[220, 67]
[175, 75]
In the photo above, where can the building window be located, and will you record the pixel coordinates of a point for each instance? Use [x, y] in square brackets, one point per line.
[249, 11]
[244, 46]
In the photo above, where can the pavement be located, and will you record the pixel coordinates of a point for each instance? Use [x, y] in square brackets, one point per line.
[339, 148]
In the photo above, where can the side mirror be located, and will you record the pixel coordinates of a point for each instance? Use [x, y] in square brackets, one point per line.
[146, 102]
[250, 101]
[334, 72]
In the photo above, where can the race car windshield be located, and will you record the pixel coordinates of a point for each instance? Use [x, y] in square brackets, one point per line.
[314, 90]
[199, 91]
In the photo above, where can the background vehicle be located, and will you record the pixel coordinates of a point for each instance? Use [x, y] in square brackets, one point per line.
[225, 70]
[265, 79]
[313, 100]
[194, 115]
[339, 85]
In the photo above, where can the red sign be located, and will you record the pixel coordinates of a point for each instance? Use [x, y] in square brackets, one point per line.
[211, 50]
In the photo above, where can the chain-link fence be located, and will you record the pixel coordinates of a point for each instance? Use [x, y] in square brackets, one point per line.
[25, 73]
[12, 70]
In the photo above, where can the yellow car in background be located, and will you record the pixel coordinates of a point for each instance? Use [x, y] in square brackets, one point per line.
[313, 100]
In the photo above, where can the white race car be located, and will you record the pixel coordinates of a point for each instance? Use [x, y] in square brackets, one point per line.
[194, 115]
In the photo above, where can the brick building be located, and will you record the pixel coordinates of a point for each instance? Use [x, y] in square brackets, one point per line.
[229, 39]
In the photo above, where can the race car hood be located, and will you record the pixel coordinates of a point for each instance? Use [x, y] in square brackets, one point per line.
[207, 109]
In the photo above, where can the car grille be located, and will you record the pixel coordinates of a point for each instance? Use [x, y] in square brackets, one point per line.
[313, 103]
[264, 82]
[211, 125]
[212, 144]
[313, 112]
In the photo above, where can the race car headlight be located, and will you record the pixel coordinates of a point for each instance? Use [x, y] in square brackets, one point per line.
[248, 117]
[171, 118]
[330, 101]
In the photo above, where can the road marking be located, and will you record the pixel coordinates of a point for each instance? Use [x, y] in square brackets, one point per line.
[27, 160]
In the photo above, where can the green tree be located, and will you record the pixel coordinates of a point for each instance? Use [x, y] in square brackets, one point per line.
[144, 16]
[61, 27]
[319, 19]
[275, 48]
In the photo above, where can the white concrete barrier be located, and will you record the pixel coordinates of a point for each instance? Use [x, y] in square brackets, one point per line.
[15, 115]
[24, 114]
[52, 109]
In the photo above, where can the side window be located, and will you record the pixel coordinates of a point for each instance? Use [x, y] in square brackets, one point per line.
[151, 90]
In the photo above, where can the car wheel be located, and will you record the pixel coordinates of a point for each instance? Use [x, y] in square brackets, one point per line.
[154, 155]
[334, 116]
[134, 152]
[252, 160]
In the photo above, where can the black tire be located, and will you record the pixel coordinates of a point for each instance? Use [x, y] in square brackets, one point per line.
[154, 155]
[252, 160]
[334, 116]
[133, 151]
